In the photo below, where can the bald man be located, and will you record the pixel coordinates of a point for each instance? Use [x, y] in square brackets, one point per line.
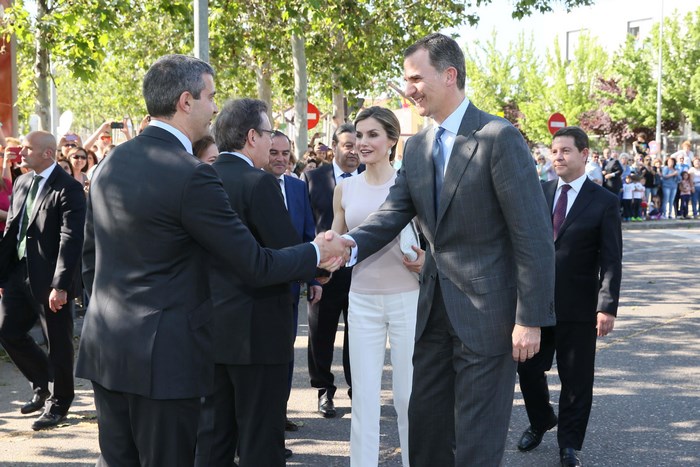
[40, 255]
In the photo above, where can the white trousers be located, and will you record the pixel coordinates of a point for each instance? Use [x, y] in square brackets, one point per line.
[370, 319]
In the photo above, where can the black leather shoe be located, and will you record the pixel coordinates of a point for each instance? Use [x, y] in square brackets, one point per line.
[569, 458]
[47, 420]
[290, 426]
[326, 406]
[288, 453]
[34, 405]
[532, 437]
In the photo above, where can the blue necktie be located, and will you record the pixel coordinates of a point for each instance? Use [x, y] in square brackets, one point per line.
[28, 208]
[345, 175]
[439, 164]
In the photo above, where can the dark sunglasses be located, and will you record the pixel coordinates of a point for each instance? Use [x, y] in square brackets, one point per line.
[69, 145]
[78, 156]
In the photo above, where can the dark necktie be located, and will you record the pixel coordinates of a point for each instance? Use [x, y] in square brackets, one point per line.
[345, 175]
[560, 210]
[439, 164]
[279, 180]
[28, 208]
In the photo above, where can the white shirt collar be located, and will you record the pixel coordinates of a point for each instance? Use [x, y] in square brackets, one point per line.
[453, 122]
[337, 171]
[175, 132]
[575, 185]
[47, 171]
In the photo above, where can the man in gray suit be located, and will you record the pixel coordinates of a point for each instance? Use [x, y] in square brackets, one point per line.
[487, 285]
[155, 216]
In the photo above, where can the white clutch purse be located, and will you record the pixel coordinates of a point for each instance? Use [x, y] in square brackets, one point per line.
[407, 238]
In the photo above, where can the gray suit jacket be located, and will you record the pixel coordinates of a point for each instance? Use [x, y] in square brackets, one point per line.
[490, 245]
[155, 215]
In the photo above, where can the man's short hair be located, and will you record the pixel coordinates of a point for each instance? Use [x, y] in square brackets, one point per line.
[344, 128]
[444, 52]
[580, 136]
[168, 78]
[234, 122]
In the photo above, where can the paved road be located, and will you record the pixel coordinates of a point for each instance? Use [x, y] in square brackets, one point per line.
[647, 396]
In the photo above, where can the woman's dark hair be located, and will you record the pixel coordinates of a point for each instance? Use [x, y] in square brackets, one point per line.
[200, 146]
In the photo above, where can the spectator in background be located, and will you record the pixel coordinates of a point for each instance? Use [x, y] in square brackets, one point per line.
[67, 142]
[624, 163]
[627, 198]
[65, 164]
[205, 150]
[637, 196]
[91, 163]
[542, 168]
[612, 173]
[669, 186]
[695, 175]
[646, 172]
[684, 155]
[641, 146]
[593, 169]
[78, 159]
[685, 188]
[10, 153]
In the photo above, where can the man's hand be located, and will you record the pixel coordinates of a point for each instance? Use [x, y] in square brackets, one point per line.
[57, 298]
[335, 250]
[417, 265]
[526, 342]
[605, 324]
[314, 293]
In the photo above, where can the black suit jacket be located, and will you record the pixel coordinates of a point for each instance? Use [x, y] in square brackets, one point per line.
[588, 254]
[614, 184]
[253, 325]
[155, 216]
[54, 234]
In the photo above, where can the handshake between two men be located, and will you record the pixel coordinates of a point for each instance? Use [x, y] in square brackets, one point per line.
[335, 251]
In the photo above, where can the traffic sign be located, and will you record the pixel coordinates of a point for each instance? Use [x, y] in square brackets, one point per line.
[556, 122]
[312, 115]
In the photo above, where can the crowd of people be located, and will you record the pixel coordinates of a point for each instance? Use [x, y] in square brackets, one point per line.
[193, 267]
[650, 186]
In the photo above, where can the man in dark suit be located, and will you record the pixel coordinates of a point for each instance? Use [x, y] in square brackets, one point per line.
[588, 245]
[155, 216]
[324, 315]
[41, 251]
[487, 285]
[612, 174]
[296, 199]
[253, 326]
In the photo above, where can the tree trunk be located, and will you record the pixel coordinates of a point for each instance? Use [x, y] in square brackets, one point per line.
[300, 95]
[41, 69]
[264, 80]
[338, 102]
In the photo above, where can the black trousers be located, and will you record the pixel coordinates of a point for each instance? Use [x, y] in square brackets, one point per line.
[574, 345]
[247, 413]
[323, 325]
[48, 374]
[136, 431]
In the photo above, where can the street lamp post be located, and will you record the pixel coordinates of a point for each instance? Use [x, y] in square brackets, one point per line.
[658, 84]
[201, 29]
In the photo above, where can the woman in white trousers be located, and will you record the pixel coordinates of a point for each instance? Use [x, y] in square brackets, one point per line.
[383, 293]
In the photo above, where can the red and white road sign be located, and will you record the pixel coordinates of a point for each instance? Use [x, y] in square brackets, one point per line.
[556, 122]
[312, 115]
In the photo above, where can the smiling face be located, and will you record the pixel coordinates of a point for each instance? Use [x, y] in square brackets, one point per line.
[280, 153]
[345, 153]
[569, 163]
[372, 141]
[427, 86]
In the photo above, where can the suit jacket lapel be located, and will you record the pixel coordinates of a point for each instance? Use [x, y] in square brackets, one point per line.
[462, 152]
[583, 199]
[550, 189]
[44, 192]
[428, 190]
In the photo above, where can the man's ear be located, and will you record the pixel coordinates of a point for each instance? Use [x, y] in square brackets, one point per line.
[183, 102]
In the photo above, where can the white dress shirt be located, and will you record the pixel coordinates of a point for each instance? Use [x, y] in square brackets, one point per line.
[175, 132]
[572, 193]
[451, 126]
